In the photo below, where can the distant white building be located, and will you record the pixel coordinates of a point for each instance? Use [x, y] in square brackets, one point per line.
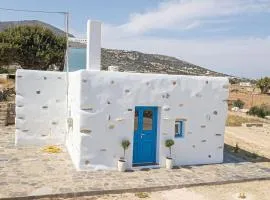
[104, 107]
[245, 84]
[80, 40]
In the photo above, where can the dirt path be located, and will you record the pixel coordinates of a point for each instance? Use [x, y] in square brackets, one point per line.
[257, 190]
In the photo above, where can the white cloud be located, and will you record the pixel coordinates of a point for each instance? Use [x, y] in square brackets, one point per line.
[190, 13]
[247, 57]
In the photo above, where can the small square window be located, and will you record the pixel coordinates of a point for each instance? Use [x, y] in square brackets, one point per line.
[179, 128]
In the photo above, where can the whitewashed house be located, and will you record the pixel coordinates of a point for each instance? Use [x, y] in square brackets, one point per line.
[101, 108]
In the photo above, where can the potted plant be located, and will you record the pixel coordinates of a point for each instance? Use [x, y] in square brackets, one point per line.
[169, 161]
[122, 162]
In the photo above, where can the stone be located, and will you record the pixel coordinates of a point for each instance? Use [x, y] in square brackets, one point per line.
[198, 95]
[166, 108]
[86, 131]
[54, 173]
[119, 119]
[111, 126]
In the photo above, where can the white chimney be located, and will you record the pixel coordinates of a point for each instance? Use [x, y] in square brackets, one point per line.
[93, 51]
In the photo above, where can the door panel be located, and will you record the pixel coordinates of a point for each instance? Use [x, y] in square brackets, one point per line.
[145, 135]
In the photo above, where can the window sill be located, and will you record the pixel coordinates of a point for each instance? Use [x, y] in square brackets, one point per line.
[178, 136]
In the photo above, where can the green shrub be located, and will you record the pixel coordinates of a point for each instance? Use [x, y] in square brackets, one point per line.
[32, 47]
[264, 84]
[233, 81]
[260, 111]
[125, 144]
[169, 143]
[238, 103]
[3, 71]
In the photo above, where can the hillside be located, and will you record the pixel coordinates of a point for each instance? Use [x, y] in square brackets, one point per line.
[151, 63]
[6, 24]
[148, 63]
[130, 60]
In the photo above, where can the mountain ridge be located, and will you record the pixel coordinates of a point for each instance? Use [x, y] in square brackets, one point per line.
[7, 24]
[136, 61]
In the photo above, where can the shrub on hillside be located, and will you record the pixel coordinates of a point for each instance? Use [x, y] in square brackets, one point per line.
[233, 81]
[238, 103]
[260, 111]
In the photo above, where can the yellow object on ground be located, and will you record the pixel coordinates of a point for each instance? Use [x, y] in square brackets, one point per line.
[51, 149]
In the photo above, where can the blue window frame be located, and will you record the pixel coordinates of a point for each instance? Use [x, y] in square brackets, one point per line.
[179, 128]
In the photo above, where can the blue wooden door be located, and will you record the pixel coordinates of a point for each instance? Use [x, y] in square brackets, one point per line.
[145, 135]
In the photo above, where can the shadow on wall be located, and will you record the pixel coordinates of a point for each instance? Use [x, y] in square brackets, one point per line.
[231, 155]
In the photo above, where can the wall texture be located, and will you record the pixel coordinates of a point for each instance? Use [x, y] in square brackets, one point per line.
[40, 107]
[104, 115]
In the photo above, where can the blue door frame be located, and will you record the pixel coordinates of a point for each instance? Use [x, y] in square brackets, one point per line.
[145, 141]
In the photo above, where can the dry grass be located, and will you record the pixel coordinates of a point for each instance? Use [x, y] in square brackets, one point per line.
[235, 120]
[3, 81]
[249, 95]
[142, 195]
[6, 83]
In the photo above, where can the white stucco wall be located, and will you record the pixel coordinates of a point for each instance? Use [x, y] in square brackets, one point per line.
[102, 106]
[40, 107]
[105, 115]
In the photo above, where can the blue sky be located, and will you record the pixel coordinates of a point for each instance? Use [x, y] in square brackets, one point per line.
[230, 36]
